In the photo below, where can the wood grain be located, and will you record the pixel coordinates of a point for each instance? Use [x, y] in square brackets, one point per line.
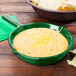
[11, 65]
[6, 1]
[12, 8]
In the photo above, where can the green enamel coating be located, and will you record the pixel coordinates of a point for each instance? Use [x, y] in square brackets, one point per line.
[11, 21]
[41, 60]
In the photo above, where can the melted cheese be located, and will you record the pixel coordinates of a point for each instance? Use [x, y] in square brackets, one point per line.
[40, 42]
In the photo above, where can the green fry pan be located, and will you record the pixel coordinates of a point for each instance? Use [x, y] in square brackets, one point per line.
[38, 60]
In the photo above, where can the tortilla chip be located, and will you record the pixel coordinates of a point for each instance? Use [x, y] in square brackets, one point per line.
[60, 5]
[35, 2]
[73, 62]
[50, 4]
[73, 51]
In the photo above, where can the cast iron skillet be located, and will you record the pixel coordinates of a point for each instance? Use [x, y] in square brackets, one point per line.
[38, 60]
[54, 15]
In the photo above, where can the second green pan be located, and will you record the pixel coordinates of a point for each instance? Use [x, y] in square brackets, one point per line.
[38, 60]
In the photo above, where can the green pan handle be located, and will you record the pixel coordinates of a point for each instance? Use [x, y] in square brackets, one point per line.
[11, 20]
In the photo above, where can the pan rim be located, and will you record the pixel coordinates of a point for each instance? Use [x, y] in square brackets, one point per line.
[37, 58]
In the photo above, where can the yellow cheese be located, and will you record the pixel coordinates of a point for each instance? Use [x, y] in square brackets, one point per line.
[40, 42]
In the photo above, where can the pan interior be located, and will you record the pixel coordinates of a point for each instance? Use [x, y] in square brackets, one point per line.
[61, 29]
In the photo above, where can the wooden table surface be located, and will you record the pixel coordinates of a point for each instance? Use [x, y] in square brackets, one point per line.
[11, 65]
